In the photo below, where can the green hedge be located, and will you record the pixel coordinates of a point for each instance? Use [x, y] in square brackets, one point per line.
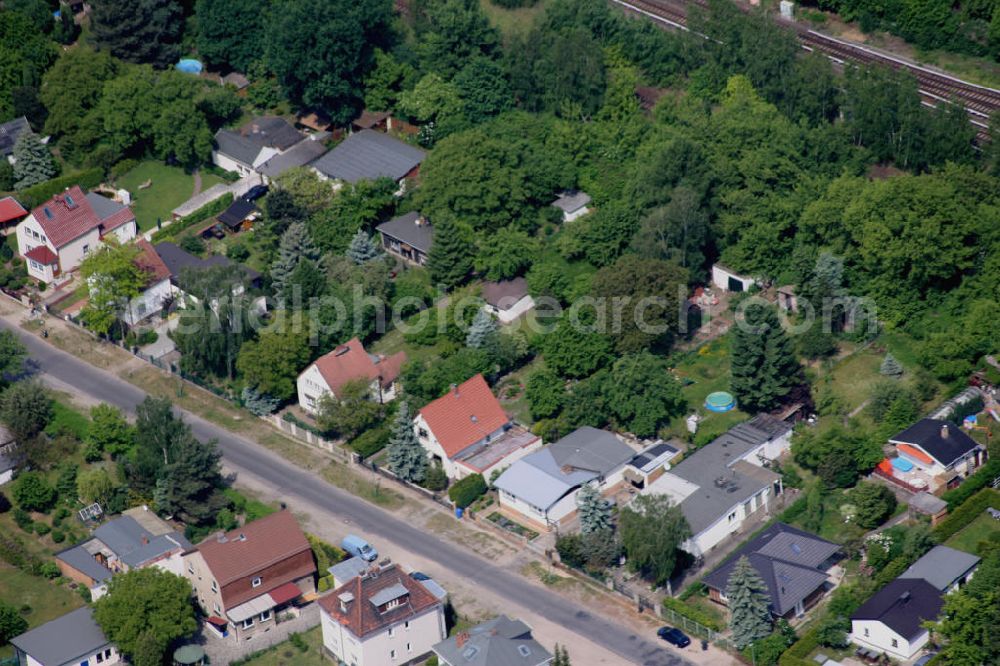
[467, 491]
[892, 571]
[973, 484]
[42, 192]
[371, 441]
[210, 209]
[798, 654]
[794, 511]
[966, 513]
[692, 613]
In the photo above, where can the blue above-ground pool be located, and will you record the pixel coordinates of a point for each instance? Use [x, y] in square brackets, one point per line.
[902, 464]
[720, 401]
[189, 66]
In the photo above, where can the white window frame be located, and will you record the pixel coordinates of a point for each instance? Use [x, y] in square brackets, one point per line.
[215, 587]
[392, 655]
[256, 581]
[392, 631]
[247, 623]
[265, 616]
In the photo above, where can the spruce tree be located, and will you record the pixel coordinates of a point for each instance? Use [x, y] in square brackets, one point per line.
[764, 368]
[750, 617]
[362, 248]
[450, 259]
[595, 511]
[561, 656]
[258, 403]
[144, 31]
[890, 366]
[296, 244]
[33, 161]
[407, 459]
[482, 330]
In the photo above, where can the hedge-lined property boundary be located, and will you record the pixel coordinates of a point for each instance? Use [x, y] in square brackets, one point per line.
[210, 209]
[966, 513]
[692, 613]
[38, 194]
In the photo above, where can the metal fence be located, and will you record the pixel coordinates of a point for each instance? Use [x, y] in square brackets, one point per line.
[688, 625]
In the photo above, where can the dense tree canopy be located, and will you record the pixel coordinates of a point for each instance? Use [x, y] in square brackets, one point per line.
[147, 31]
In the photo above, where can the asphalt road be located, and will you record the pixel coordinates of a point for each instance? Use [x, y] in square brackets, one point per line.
[241, 454]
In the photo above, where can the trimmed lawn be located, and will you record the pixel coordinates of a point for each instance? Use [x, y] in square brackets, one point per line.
[701, 372]
[171, 186]
[980, 529]
[46, 599]
[286, 654]
[512, 21]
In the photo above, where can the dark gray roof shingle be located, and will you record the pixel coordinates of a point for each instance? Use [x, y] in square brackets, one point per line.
[941, 566]
[234, 145]
[9, 133]
[787, 560]
[369, 155]
[405, 229]
[942, 439]
[298, 156]
[65, 640]
[903, 605]
[497, 642]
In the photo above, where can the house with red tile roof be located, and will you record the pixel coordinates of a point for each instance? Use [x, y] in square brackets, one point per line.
[245, 578]
[11, 211]
[157, 290]
[467, 431]
[57, 235]
[349, 362]
[382, 617]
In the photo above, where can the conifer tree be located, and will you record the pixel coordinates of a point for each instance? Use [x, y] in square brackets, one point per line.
[890, 366]
[362, 248]
[258, 403]
[764, 368]
[407, 459]
[561, 656]
[33, 163]
[481, 331]
[296, 244]
[450, 259]
[750, 617]
[145, 31]
[595, 511]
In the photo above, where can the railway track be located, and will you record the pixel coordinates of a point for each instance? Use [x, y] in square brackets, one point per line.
[935, 87]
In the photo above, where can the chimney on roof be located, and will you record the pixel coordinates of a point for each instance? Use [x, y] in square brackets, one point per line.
[904, 597]
[944, 431]
[461, 639]
[345, 600]
[145, 541]
[474, 419]
[255, 128]
[341, 350]
[220, 536]
[243, 537]
[454, 389]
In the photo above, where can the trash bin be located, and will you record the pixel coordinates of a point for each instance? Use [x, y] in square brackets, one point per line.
[459, 511]
[704, 645]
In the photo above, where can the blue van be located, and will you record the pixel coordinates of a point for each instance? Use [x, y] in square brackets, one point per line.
[358, 547]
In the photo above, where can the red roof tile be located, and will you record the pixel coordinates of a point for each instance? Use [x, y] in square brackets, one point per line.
[283, 593]
[267, 541]
[150, 262]
[70, 215]
[43, 255]
[10, 210]
[361, 616]
[464, 415]
[350, 361]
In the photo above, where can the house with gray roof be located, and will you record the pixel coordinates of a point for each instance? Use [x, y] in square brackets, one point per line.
[10, 132]
[133, 541]
[70, 640]
[891, 622]
[299, 155]
[409, 237]
[727, 486]
[497, 642]
[541, 487]
[369, 155]
[573, 204]
[945, 568]
[249, 147]
[792, 563]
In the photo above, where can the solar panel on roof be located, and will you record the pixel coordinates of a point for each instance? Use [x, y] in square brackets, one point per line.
[797, 549]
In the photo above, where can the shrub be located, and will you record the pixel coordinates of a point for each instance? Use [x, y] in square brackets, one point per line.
[38, 194]
[49, 570]
[23, 520]
[123, 167]
[326, 554]
[4, 503]
[435, 479]
[299, 642]
[33, 493]
[41, 529]
[371, 441]
[147, 337]
[794, 510]
[466, 491]
[692, 613]
[797, 654]
[58, 536]
[238, 252]
[966, 513]
[767, 651]
[208, 210]
[982, 478]
[192, 244]
[570, 550]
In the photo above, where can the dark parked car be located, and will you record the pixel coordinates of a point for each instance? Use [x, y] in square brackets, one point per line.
[255, 192]
[419, 575]
[674, 636]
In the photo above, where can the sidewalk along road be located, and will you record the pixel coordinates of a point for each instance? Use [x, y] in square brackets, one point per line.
[291, 481]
